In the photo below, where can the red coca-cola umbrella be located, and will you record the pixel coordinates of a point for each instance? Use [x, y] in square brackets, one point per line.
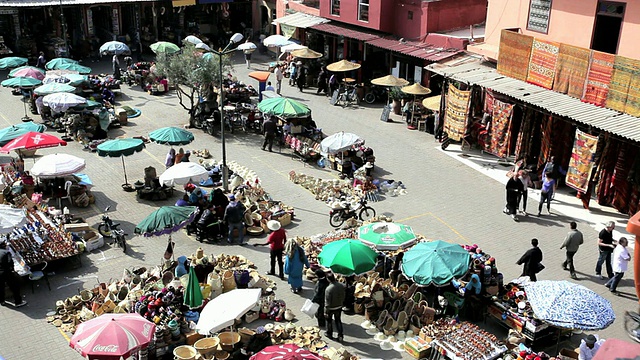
[32, 141]
[285, 352]
[112, 336]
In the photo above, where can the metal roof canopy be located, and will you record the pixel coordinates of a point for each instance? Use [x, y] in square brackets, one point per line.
[420, 50]
[35, 3]
[300, 20]
[475, 73]
[343, 31]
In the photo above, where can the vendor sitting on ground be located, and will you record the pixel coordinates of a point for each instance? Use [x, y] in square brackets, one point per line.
[196, 195]
[219, 201]
[589, 347]
[108, 97]
[257, 343]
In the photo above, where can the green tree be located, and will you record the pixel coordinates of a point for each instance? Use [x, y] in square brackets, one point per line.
[192, 73]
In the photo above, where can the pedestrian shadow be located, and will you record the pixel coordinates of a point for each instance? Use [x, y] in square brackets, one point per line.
[549, 220]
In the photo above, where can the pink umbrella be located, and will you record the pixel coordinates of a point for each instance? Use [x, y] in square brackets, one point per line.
[112, 336]
[285, 352]
[29, 72]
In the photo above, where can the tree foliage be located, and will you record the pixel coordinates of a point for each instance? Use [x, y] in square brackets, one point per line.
[191, 73]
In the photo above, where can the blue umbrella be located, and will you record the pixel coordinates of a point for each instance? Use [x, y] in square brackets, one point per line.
[568, 305]
[114, 47]
[12, 62]
[57, 62]
[84, 179]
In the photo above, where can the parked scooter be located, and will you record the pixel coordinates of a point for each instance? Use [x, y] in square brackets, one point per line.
[109, 229]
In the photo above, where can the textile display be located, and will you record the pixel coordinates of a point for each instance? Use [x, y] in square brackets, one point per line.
[606, 167]
[525, 135]
[581, 162]
[598, 78]
[620, 181]
[455, 119]
[571, 70]
[624, 69]
[542, 66]
[488, 102]
[556, 140]
[514, 55]
[501, 129]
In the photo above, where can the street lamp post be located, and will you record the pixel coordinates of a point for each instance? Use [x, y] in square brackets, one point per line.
[237, 37]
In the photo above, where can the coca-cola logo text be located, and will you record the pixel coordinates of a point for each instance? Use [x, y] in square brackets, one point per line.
[105, 348]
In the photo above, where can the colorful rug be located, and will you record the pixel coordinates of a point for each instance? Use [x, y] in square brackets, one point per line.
[632, 107]
[525, 135]
[488, 101]
[624, 69]
[571, 70]
[514, 54]
[455, 118]
[542, 66]
[598, 78]
[501, 129]
[581, 162]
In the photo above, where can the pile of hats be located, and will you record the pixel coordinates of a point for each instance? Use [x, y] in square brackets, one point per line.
[307, 337]
[388, 342]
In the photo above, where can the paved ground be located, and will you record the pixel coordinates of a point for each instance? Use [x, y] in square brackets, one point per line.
[452, 200]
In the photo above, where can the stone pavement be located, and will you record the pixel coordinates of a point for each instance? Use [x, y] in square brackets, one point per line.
[447, 200]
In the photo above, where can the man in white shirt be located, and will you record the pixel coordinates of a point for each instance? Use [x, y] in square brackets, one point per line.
[279, 76]
[589, 347]
[619, 262]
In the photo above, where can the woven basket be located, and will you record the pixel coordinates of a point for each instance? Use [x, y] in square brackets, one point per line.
[207, 346]
[228, 340]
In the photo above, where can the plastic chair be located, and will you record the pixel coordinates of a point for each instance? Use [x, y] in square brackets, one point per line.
[422, 124]
[67, 190]
[37, 275]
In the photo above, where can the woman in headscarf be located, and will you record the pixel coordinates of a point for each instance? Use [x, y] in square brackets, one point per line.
[294, 263]
[170, 159]
[179, 156]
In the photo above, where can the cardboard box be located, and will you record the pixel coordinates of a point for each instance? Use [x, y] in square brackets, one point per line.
[192, 337]
[567, 354]
[78, 227]
[416, 347]
[94, 243]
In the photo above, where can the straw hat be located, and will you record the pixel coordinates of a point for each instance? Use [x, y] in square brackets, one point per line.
[386, 345]
[398, 346]
[372, 330]
[380, 336]
[366, 325]
[401, 335]
[409, 334]
[269, 326]
[273, 225]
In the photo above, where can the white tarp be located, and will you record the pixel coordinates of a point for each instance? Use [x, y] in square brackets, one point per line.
[184, 173]
[221, 312]
[57, 165]
[60, 102]
[339, 142]
[11, 218]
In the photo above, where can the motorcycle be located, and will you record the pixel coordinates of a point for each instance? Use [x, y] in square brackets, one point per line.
[632, 324]
[376, 93]
[338, 215]
[109, 229]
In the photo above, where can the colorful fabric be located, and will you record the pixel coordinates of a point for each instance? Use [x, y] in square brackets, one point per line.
[542, 66]
[501, 129]
[581, 163]
[514, 54]
[598, 78]
[632, 107]
[488, 101]
[455, 118]
[571, 70]
[624, 69]
[525, 135]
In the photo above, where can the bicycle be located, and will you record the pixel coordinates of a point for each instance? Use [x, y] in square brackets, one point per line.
[348, 95]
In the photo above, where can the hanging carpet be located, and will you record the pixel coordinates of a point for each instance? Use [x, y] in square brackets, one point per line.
[501, 129]
[581, 162]
[525, 135]
[514, 55]
[624, 69]
[598, 78]
[488, 102]
[542, 67]
[571, 70]
[455, 118]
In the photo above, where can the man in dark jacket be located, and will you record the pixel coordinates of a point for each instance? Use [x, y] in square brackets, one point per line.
[333, 300]
[531, 260]
[7, 276]
[269, 128]
[234, 216]
[514, 188]
[572, 242]
[318, 296]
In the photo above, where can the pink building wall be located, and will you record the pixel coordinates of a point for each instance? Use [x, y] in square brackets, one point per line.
[349, 14]
[571, 22]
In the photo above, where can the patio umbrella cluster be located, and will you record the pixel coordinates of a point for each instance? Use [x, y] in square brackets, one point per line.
[284, 107]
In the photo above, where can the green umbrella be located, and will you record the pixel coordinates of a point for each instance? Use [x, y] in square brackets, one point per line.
[53, 87]
[55, 63]
[164, 47]
[12, 61]
[9, 133]
[76, 79]
[283, 107]
[348, 257]
[23, 82]
[89, 105]
[74, 67]
[435, 262]
[14, 71]
[171, 136]
[387, 236]
[166, 220]
[122, 148]
[193, 294]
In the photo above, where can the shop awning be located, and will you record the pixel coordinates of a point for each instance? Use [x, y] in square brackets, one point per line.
[420, 50]
[346, 32]
[35, 3]
[300, 20]
[177, 3]
[478, 73]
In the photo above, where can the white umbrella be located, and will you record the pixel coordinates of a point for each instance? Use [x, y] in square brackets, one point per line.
[222, 311]
[247, 46]
[339, 142]
[203, 46]
[57, 165]
[184, 173]
[11, 218]
[61, 79]
[276, 40]
[293, 47]
[114, 47]
[192, 39]
[60, 102]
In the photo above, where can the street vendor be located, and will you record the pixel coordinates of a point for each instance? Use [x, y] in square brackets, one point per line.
[589, 347]
[260, 340]
[8, 276]
[196, 195]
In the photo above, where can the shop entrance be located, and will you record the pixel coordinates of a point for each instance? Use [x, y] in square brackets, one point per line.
[102, 23]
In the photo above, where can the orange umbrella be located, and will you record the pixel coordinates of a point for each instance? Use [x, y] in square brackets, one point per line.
[261, 76]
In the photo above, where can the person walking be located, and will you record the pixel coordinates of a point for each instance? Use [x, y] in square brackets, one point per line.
[169, 161]
[116, 66]
[333, 300]
[234, 217]
[532, 261]
[279, 76]
[514, 191]
[620, 262]
[301, 76]
[276, 241]
[292, 73]
[294, 263]
[41, 61]
[525, 179]
[333, 84]
[9, 277]
[322, 81]
[556, 172]
[571, 242]
[269, 128]
[247, 57]
[318, 296]
[546, 193]
[606, 244]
